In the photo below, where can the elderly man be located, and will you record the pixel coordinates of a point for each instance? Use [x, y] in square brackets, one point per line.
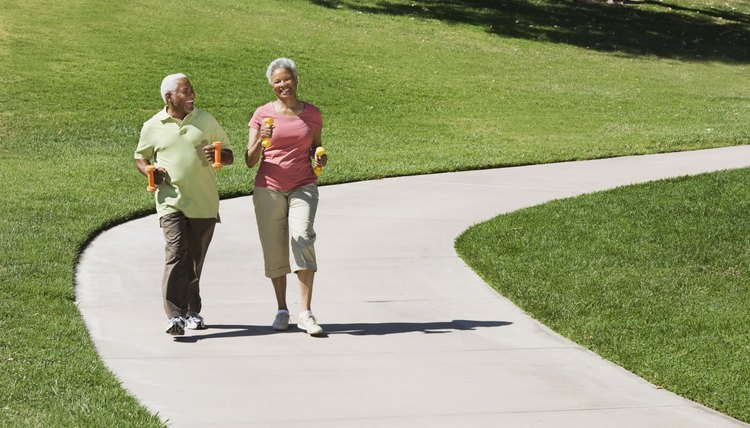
[178, 141]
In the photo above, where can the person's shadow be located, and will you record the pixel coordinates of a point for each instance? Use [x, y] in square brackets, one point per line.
[357, 329]
[379, 329]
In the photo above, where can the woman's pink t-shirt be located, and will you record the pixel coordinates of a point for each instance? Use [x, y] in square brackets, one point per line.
[286, 165]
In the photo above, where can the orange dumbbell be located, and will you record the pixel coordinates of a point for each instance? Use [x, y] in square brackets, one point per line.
[217, 155]
[151, 184]
[266, 143]
[319, 153]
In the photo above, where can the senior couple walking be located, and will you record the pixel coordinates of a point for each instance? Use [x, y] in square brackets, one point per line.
[177, 141]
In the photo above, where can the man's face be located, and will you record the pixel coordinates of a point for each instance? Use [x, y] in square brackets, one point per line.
[182, 100]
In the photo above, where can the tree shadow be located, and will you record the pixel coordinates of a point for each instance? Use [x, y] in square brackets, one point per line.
[357, 329]
[627, 27]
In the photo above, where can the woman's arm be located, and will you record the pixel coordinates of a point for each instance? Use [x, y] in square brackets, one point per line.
[254, 147]
[315, 144]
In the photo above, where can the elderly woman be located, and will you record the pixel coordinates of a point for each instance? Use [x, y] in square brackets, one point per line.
[286, 191]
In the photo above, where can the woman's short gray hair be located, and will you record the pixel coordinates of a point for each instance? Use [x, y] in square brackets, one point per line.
[169, 84]
[278, 63]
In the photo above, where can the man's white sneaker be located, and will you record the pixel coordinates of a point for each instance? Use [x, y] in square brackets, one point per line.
[309, 324]
[176, 326]
[281, 322]
[194, 321]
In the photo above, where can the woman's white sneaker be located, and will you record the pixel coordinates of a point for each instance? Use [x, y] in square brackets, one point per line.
[308, 323]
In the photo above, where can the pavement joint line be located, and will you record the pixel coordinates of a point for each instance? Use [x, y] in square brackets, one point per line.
[137, 304]
[500, 186]
[385, 216]
[325, 353]
[439, 415]
[403, 259]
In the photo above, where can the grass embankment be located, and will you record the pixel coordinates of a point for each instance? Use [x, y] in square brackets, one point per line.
[653, 277]
[405, 87]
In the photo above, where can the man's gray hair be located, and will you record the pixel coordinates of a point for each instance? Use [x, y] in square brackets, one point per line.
[169, 84]
[278, 63]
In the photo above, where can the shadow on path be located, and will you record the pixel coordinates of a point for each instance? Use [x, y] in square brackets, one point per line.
[636, 28]
[378, 329]
[358, 329]
[231, 330]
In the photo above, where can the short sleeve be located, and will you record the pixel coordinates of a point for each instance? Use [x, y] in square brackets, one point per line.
[145, 148]
[218, 134]
[255, 120]
[315, 117]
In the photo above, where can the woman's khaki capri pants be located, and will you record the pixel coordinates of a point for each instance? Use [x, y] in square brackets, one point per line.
[285, 219]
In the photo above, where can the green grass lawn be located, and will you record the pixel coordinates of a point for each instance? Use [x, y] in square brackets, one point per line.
[405, 88]
[653, 277]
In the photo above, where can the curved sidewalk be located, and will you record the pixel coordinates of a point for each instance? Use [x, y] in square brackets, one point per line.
[414, 337]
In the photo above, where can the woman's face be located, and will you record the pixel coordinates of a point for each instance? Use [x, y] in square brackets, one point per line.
[284, 85]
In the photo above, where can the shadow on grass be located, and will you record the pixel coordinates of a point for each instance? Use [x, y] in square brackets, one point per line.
[634, 28]
[358, 329]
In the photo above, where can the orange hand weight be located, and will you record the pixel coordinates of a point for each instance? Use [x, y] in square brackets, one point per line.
[319, 152]
[151, 185]
[217, 155]
[266, 143]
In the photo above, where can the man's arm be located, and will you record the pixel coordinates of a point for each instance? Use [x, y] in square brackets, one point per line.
[253, 152]
[141, 164]
[227, 156]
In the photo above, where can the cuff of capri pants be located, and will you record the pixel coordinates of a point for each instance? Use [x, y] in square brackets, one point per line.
[309, 266]
[278, 272]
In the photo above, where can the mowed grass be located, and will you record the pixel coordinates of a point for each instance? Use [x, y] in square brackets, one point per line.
[405, 88]
[653, 277]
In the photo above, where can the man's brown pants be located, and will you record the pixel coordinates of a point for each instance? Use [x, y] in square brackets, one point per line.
[187, 241]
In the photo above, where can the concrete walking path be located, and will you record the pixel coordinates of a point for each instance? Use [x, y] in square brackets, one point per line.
[414, 337]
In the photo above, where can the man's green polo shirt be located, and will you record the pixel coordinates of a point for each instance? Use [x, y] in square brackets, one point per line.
[177, 146]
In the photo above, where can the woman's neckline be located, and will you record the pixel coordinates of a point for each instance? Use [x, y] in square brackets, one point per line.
[290, 113]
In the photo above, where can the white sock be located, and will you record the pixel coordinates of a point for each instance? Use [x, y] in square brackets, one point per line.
[305, 314]
[283, 311]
